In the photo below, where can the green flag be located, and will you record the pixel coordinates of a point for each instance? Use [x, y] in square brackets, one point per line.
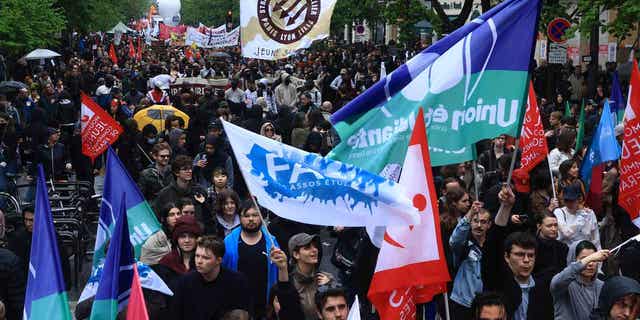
[580, 137]
[567, 109]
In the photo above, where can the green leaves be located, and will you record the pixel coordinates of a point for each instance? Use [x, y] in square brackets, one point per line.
[27, 25]
[209, 12]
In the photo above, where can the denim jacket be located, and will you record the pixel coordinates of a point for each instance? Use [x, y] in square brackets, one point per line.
[467, 256]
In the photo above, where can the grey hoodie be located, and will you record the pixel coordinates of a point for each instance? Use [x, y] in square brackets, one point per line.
[572, 297]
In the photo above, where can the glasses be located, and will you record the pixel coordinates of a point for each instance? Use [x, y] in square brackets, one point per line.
[268, 129]
[164, 156]
[186, 169]
[522, 254]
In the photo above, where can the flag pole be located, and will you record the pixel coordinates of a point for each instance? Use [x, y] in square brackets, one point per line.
[513, 161]
[446, 306]
[475, 180]
[553, 187]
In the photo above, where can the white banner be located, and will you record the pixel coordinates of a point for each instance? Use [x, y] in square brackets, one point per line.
[213, 39]
[305, 187]
[274, 30]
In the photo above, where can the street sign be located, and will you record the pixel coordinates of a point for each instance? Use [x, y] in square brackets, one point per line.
[557, 53]
[557, 29]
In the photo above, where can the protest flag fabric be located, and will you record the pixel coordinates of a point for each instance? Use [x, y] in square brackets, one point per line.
[616, 101]
[141, 220]
[46, 297]
[115, 283]
[112, 54]
[580, 135]
[309, 188]
[272, 30]
[98, 128]
[532, 141]
[354, 312]
[473, 84]
[132, 49]
[629, 195]
[567, 109]
[137, 309]
[604, 147]
[411, 266]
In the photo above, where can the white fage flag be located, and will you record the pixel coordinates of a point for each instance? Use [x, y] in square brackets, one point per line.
[308, 188]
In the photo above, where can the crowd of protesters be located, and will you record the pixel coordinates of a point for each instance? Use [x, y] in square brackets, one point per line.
[514, 251]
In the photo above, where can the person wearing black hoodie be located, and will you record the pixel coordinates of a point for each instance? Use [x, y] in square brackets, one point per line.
[214, 156]
[618, 300]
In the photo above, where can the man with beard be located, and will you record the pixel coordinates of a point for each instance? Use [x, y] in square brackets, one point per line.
[247, 251]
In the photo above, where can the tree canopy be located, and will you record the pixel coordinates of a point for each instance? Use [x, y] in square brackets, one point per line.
[27, 25]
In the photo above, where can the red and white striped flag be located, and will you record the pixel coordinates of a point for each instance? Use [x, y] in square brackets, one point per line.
[99, 129]
[629, 197]
[411, 265]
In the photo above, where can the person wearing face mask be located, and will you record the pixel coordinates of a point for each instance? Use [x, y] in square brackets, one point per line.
[575, 290]
[285, 93]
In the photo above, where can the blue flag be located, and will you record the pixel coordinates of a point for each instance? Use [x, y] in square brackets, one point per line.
[471, 84]
[115, 282]
[617, 102]
[604, 146]
[46, 297]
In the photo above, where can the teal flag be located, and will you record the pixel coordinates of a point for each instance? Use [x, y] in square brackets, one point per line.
[471, 84]
[46, 297]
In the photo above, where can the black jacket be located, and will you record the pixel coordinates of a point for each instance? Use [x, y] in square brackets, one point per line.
[551, 257]
[289, 299]
[540, 301]
[12, 284]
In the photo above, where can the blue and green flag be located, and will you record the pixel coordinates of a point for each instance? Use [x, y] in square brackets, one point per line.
[115, 283]
[472, 86]
[604, 146]
[617, 102]
[46, 297]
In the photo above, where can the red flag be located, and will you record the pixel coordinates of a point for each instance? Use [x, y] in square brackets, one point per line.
[137, 309]
[629, 196]
[112, 54]
[132, 49]
[99, 130]
[532, 140]
[411, 265]
[139, 54]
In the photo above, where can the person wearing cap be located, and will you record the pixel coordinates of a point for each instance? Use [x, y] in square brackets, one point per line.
[576, 288]
[247, 251]
[52, 156]
[305, 254]
[181, 258]
[285, 94]
[619, 300]
[576, 223]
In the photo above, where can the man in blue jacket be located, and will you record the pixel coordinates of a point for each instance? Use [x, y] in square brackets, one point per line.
[248, 249]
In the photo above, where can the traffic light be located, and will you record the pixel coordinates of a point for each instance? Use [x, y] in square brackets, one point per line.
[229, 20]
